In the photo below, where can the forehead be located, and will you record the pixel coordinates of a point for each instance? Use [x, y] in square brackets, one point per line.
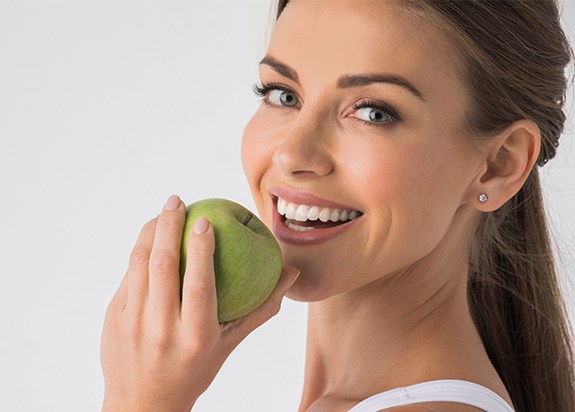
[331, 37]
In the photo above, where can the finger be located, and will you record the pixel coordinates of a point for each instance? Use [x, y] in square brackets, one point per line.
[137, 273]
[199, 300]
[240, 329]
[164, 280]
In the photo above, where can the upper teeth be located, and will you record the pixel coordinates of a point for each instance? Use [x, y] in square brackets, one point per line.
[301, 213]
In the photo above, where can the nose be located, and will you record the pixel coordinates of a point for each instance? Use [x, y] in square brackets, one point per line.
[306, 150]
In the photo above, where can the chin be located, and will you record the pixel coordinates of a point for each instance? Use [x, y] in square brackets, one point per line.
[302, 294]
[311, 286]
[319, 278]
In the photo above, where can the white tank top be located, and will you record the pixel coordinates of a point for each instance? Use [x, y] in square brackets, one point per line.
[436, 391]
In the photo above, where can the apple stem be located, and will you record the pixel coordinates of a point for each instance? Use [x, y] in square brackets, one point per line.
[247, 219]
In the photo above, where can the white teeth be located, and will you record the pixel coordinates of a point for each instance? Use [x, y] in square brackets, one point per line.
[281, 206]
[303, 213]
[324, 214]
[334, 215]
[299, 228]
[290, 210]
[313, 213]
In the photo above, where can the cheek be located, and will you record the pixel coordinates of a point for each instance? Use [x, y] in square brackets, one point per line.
[414, 198]
[257, 153]
[249, 157]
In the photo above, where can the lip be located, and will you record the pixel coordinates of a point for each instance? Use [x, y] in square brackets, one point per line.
[309, 237]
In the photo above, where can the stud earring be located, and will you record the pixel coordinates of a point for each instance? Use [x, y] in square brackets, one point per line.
[483, 198]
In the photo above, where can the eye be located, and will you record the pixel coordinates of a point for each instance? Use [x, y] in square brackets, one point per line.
[370, 114]
[277, 95]
[376, 113]
[281, 97]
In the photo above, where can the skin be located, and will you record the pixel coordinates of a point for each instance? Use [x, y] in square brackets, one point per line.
[416, 180]
[395, 283]
[160, 354]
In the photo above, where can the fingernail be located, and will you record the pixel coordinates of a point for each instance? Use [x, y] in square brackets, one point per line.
[201, 225]
[173, 203]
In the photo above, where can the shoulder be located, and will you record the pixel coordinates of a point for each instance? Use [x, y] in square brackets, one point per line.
[434, 407]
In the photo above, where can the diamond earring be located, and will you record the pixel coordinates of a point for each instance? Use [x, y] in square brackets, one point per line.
[483, 198]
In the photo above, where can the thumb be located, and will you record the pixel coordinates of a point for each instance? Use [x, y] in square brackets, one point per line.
[240, 328]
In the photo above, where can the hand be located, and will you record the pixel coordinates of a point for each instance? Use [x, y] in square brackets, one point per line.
[159, 353]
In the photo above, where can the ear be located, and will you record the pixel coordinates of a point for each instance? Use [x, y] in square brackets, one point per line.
[509, 161]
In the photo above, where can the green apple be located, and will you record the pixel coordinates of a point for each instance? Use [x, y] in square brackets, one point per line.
[247, 258]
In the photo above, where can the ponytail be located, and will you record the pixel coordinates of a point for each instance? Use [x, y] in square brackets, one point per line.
[517, 307]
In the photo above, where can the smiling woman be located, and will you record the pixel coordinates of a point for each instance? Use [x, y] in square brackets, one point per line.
[395, 156]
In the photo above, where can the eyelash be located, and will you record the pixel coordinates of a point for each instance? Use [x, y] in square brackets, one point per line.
[381, 106]
[263, 90]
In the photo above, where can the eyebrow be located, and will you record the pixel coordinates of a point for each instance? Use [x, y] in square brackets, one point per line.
[358, 80]
[281, 68]
[348, 80]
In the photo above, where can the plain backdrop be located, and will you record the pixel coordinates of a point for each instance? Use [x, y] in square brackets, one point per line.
[107, 108]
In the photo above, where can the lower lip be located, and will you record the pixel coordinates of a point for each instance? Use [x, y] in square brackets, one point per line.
[308, 237]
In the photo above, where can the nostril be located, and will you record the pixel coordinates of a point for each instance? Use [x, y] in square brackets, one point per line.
[303, 173]
[303, 167]
[302, 158]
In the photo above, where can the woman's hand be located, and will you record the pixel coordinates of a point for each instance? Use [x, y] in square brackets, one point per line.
[159, 353]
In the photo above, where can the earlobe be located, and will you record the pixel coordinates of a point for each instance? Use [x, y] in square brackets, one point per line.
[508, 163]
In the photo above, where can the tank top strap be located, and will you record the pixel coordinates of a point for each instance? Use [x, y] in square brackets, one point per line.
[448, 390]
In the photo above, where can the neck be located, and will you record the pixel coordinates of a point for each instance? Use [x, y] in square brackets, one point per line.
[393, 332]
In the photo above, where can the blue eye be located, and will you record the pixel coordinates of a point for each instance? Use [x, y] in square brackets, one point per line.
[281, 97]
[375, 113]
[277, 95]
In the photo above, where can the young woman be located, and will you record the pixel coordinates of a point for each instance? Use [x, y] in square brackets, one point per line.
[419, 127]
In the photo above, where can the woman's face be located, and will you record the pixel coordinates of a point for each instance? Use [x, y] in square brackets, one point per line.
[362, 112]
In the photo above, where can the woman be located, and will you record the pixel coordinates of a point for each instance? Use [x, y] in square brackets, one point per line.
[419, 126]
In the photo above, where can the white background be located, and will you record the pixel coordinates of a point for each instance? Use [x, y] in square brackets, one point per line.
[107, 108]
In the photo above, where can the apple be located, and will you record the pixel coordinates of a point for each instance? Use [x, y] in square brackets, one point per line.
[247, 258]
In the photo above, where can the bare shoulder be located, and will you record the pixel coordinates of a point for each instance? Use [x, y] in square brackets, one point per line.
[434, 407]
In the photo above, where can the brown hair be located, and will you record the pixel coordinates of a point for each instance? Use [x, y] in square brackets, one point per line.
[514, 55]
